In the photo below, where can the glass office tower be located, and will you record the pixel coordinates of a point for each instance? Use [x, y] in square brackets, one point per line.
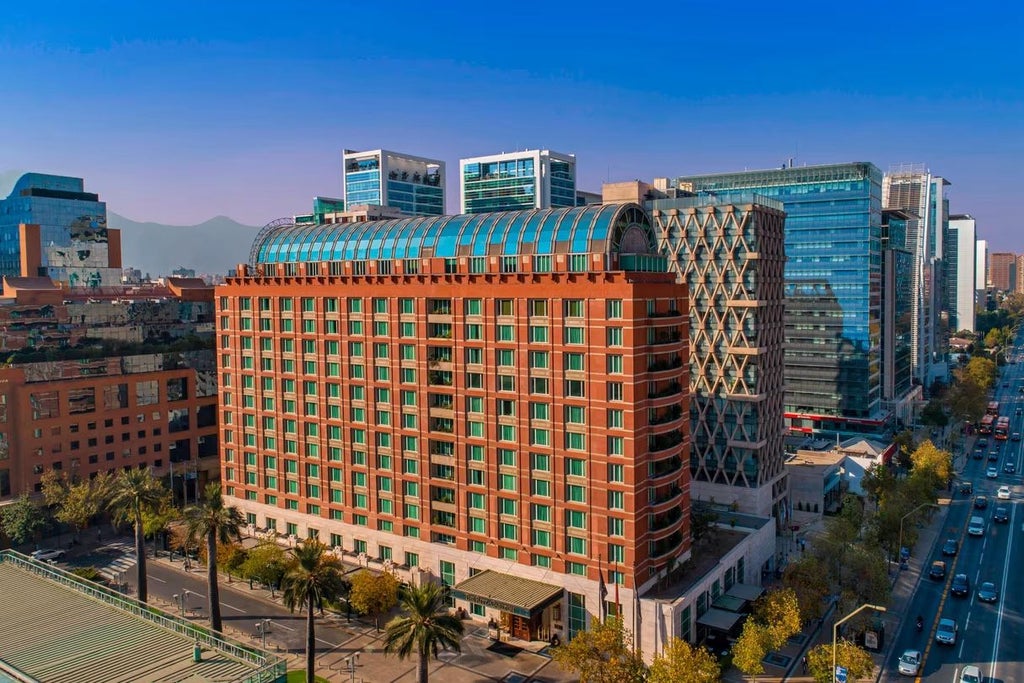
[72, 229]
[518, 181]
[412, 184]
[833, 290]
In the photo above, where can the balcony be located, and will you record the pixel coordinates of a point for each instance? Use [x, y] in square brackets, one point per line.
[441, 405]
[664, 338]
[666, 545]
[665, 468]
[670, 414]
[444, 425]
[667, 495]
[440, 378]
[661, 315]
[439, 330]
[670, 389]
[439, 355]
[663, 442]
[661, 365]
[666, 519]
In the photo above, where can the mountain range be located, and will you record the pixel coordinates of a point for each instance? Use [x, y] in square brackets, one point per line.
[212, 247]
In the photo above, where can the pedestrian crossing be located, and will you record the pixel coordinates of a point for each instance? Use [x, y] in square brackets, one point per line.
[123, 559]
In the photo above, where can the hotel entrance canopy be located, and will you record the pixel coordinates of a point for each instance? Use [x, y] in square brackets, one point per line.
[514, 594]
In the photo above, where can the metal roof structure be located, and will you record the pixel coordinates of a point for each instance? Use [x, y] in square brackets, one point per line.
[59, 627]
[508, 592]
[597, 228]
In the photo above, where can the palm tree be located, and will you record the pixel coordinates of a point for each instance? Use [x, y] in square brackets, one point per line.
[313, 578]
[425, 628]
[135, 491]
[210, 519]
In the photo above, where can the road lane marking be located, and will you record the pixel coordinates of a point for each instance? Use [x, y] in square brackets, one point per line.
[999, 611]
[286, 628]
[154, 578]
[224, 604]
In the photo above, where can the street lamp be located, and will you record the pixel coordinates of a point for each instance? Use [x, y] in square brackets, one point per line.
[835, 631]
[351, 662]
[181, 601]
[899, 546]
[263, 628]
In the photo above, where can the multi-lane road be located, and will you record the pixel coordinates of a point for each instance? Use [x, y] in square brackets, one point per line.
[990, 636]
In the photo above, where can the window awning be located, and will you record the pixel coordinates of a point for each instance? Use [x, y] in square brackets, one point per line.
[508, 593]
[745, 591]
[719, 619]
[729, 603]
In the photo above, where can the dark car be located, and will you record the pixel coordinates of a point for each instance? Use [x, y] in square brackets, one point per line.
[1015, 436]
[982, 443]
[950, 547]
[980, 503]
[1009, 467]
[961, 586]
[938, 570]
[993, 455]
[987, 592]
[1001, 515]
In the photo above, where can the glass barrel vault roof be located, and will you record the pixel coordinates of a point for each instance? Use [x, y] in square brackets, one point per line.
[607, 228]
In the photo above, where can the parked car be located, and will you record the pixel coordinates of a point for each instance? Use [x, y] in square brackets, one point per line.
[1001, 515]
[48, 554]
[961, 587]
[980, 503]
[970, 674]
[950, 547]
[938, 570]
[987, 592]
[945, 634]
[1003, 493]
[910, 662]
[992, 472]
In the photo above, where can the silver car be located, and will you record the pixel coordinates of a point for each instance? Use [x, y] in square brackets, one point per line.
[48, 554]
[945, 634]
[910, 662]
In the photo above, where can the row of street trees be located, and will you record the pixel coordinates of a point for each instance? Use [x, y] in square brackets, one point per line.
[310, 577]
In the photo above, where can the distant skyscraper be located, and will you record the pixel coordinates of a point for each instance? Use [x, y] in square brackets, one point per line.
[402, 181]
[914, 189]
[1019, 270]
[1003, 271]
[962, 259]
[897, 310]
[731, 256]
[981, 272]
[72, 243]
[832, 291]
[532, 179]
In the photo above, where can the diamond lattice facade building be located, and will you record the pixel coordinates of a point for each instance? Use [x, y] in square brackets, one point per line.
[732, 258]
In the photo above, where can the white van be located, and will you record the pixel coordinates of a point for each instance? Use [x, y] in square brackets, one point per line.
[976, 527]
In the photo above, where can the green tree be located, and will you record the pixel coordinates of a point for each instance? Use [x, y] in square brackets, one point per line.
[680, 662]
[133, 492]
[602, 654]
[778, 611]
[374, 594]
[156, 522]
[424, 628]
[966, 399]
[856, 660]
[23, 520]
[934, 414]
[266, 563]
[808, 579]
[864, 578]
[314, 577]
[750, 648]
[211, 520]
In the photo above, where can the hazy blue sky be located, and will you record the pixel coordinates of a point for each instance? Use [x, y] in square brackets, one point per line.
[175, 112]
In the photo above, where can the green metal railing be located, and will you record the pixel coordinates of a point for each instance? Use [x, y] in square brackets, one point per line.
[269, 668]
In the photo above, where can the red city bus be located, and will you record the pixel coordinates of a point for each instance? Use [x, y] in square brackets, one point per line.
[1002, 428]
[986, 424]
[993, 408]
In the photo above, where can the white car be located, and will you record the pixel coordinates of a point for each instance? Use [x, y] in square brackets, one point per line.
[910, 662]
[47, 554]
[970, 674]
[992, 472]
[1003, 493]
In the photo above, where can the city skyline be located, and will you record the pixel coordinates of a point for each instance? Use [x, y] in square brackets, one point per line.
[177, 115]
